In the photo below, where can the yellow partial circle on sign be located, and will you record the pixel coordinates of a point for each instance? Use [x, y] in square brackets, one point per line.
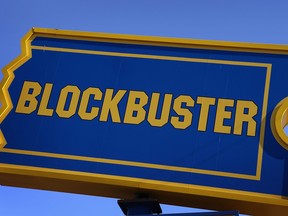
[279, 121]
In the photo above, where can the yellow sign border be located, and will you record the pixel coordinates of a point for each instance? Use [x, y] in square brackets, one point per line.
[163, 187]
[148, 165]
[127, 187]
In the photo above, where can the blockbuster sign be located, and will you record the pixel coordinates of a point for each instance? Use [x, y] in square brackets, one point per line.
[116, 115]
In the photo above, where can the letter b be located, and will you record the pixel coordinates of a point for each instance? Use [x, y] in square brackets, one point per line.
[27, 102]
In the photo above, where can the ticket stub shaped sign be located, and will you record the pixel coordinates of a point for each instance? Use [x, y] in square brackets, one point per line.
[195, 123]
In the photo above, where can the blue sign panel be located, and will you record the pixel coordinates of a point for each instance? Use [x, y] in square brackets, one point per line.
[158, 114]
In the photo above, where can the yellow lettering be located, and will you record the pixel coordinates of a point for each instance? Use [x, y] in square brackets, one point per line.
[242, 117]
[84, 104]
[27, 102]
[187, 115]
[60, 110]
[154, 107]
[43, 110]
[135, 108]
[221, 115]
[110, 105]
[205, 103]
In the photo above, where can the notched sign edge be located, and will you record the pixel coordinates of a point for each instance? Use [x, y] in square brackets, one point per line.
[8, 77]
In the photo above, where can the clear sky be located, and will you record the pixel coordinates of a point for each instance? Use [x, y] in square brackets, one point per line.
[259, 21]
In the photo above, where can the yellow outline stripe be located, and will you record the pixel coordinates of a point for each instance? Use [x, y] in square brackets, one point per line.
[184, 59]
[129, 163]
[263, 121]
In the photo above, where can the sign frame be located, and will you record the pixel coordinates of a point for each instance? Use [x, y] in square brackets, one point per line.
[127, 187]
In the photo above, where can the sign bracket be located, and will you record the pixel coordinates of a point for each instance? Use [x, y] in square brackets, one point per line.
[150, 207]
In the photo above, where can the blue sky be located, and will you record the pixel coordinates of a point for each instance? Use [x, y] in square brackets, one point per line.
[259, 21]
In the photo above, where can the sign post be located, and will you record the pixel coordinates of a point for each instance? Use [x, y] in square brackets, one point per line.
[189, 122]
